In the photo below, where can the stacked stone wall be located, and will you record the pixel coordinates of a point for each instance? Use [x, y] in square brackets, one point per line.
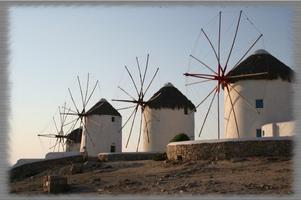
[229, 149]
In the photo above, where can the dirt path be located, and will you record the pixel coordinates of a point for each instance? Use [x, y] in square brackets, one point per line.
[238, 176]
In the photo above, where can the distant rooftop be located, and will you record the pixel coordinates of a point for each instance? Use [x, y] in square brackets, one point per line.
[169, 97]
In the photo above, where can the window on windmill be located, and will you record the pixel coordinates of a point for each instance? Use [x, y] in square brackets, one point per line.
[113, 119]
[259, 103]
[258, 133]
[185, 111]
[113, 148]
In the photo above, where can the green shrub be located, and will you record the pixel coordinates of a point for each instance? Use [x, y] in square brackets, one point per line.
[180, 137]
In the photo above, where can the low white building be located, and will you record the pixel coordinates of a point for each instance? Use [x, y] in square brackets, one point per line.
[278, 129]
[269, 95]
[167, 113]
[102, 131]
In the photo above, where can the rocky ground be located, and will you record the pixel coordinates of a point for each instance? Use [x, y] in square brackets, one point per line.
[267, 175]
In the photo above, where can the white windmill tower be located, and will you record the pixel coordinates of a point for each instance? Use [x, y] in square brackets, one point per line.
[103, 124]
[270, 93]
[100, 124]
[167, 113]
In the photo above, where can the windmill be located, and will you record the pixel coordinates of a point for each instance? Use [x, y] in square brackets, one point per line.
[138, 101]
[79, 111]
[61, 129]
[220, 73]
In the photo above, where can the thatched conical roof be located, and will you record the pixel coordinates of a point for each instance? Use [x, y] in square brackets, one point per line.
[76, 135]
[103, 107]
[259, 62]
[169, 97]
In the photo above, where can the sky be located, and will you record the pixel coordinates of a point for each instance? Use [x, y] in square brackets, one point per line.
[51, 46]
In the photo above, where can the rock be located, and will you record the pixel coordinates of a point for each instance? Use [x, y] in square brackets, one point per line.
[76, 168]
[55, 184]
[163, 190]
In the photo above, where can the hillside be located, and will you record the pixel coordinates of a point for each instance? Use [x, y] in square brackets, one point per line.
[252, 175]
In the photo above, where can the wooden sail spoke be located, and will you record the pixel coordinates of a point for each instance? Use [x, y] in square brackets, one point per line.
[244, 99]
[129, 73]
[133, 121]
[126, 93]
[56, 128]
[203, 76]
[139, 69]
[73, 126]
[214, 89]
[53, 147]
[68, 123]
[210, 44]
[232, 107]
[247, 75]
[151, 82]
[81, 91]
[233, 42]
[47, 135]
[87, 133]
[218, 117]
[87, 88]
[219, 39]
[73, 100]
[125, 100]
[91, 94]
[203, 124]
[249, 49]
[193, 83]
[136, 106]
[203, 63]
[69, 111]
[125, 108]
[140, 128]
[146, 66]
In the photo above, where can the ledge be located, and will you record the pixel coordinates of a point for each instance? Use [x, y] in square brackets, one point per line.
[230, 148]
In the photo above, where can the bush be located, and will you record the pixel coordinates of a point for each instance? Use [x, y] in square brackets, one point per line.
[180, 137]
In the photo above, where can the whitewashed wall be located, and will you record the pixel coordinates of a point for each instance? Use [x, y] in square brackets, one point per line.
[103, 132]
[163, 125]
[279, 129]
[277, 100]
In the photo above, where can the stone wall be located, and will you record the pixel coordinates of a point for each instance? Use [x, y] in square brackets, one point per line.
[226, 149]
[127, 156]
